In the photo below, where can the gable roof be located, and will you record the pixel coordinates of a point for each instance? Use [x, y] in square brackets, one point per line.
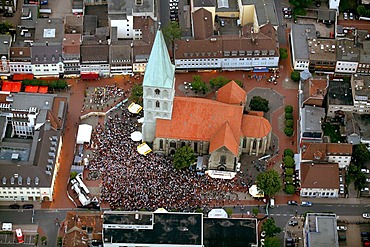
[224, 137]
[159, 71]
[324, 176]
[255, 126]
[198, 119]
[318, 151]
[204, 27]
[231, 93]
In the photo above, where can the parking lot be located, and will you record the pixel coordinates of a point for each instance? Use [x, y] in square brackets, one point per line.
[355, 225]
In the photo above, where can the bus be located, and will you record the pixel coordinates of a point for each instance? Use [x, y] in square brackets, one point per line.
[19, 234]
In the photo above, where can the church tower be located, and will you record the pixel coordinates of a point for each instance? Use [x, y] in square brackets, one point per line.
[158, 87]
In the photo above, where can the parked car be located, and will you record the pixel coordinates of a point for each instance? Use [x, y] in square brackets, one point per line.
[306, 204]
[341, 228]
[14, 206]
[222, 23]
[293, 223]
[367, 171]
[345, 15]
[365, 234]
[340, 178]
[351, 16]
[287, 10]
[367, 180]
[292, 203]
[28, 206]
[287, 16]
[366, 189]
[366, 215]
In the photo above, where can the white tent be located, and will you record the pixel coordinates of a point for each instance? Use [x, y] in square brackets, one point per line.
[136, 136]
[221, 174]
[84, 133]
[140, 120]
[254, 192]
[217, 213]
[134, 108]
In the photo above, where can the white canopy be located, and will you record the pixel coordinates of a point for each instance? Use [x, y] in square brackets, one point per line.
[217, 213]
[140, 120]
[134, 108]
[84, 133]
[254, 192]
[136, 136]
[220, 174]
[143, 148]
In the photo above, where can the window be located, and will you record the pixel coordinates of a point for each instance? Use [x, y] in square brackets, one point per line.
[160, 144]
[138, 2]
[196, 147]
[157, 104]
[222, 159]
[157, 91]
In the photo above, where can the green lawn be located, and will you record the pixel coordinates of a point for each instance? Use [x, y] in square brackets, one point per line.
[332, 131]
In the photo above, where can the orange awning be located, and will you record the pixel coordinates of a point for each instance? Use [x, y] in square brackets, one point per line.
[13, 87]
[43, 89]
[31, 89]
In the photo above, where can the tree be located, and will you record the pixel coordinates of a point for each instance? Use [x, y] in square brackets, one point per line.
[269, 182]
[199, 85]
[183, 157]
[362, 11]
[360, 180]
[43, 240]
[288, 109]
[288, 116]
[289, 189]
[229, 211]
[255, 211]
[272, 242]
[259, 104]
[289, 123]
[283, 53]
[218, 82]
[288, 161]
[137, 94]
[288, 131]
[5, 27]
[300, 3]
[270, 228]
[73, 175]
[288, 152]
[289, 172]
[171, 32]
[295, 75]
[360, 154]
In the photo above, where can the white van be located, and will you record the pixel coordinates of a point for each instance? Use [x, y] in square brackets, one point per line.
[272, 202]
[7, 227]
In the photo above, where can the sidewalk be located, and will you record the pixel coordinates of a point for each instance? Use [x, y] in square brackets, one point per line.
[363, 201]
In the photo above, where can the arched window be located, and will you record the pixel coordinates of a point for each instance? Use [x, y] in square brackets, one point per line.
[149, 104]
[161, 144]
[222, 159]
[165, 106]
[165, 94]
[149, 92]
[157, 104]
[157, 91]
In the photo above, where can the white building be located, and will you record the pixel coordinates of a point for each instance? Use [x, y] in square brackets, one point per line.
[47, 61]
[360, 91]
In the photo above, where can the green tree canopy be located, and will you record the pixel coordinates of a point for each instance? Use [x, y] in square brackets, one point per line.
[288, 116]
[183, 157]
[289, 123]
[272, 242]
[5, 27]
[270, 228]
[199, 85]
[289, 189]
[269, 182]
[360, 154]
[288, 152]
[289, 171]
[229, 211]
[300, 3]
[288, 109]
[288, 161]
[258, 103]
[295, 75]
[171, 32]
[255, 211]
[218, 82]
[283, 53]
[288, 131]
[362, 11]
[137, 94]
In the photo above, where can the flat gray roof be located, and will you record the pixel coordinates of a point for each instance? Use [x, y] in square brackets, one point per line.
[322, 230]
[129, 7]
[49, 30]
[347, 51]
[300, 34]
[361, 85]
[266, 11]
[5, 42]
[311, 118]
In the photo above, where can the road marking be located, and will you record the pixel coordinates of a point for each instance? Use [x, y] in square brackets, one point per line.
[328, 205]
[285, 215]
[278, 214]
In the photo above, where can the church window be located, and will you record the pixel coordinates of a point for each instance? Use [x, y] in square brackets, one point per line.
[244, 143]
[222, 159]
[196, 147]
[157, 91]
[182, 144]
[173, 144]
[149, 104]
[157, 105]
[165, 94]
[161, 144]
[165, 106]
[254, 144]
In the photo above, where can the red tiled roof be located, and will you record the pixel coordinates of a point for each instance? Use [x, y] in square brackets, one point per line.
[13, 87]
[318, 151]
[255, 126]
[204, 24]
[231, 93]
[31, 89]
[199, 119]
[224, 137]
[324, 176]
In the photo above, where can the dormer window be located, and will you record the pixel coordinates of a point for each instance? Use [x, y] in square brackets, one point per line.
[139, 2]
[36, 58]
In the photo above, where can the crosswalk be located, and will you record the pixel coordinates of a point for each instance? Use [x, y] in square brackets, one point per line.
[285, 215]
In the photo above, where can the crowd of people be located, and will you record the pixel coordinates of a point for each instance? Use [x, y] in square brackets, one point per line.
[131, 181]
[102, 95]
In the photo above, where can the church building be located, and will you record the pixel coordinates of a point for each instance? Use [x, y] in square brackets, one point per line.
[220, 129]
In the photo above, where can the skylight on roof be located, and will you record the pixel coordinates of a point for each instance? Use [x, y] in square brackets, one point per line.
[49, 33]
[223, 4]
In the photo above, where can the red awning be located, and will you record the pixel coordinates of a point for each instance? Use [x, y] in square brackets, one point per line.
[43, 89]
[31, 89]
[13, 87]
[89, 76]
[20, 77]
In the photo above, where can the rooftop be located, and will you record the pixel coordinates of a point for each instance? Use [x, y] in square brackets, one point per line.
[314, 91]
[153, 228]
[5, 43]
[300, 35]
[230, 232]
[50, 54]
[130, 7]
[73, 24]
[322, 49]
[312, 118]
[322, 230]
[340, 93]
[320, 151]
[49, 31]
[265, 9]
[347, 51]
[315, 175]
[361, 88]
